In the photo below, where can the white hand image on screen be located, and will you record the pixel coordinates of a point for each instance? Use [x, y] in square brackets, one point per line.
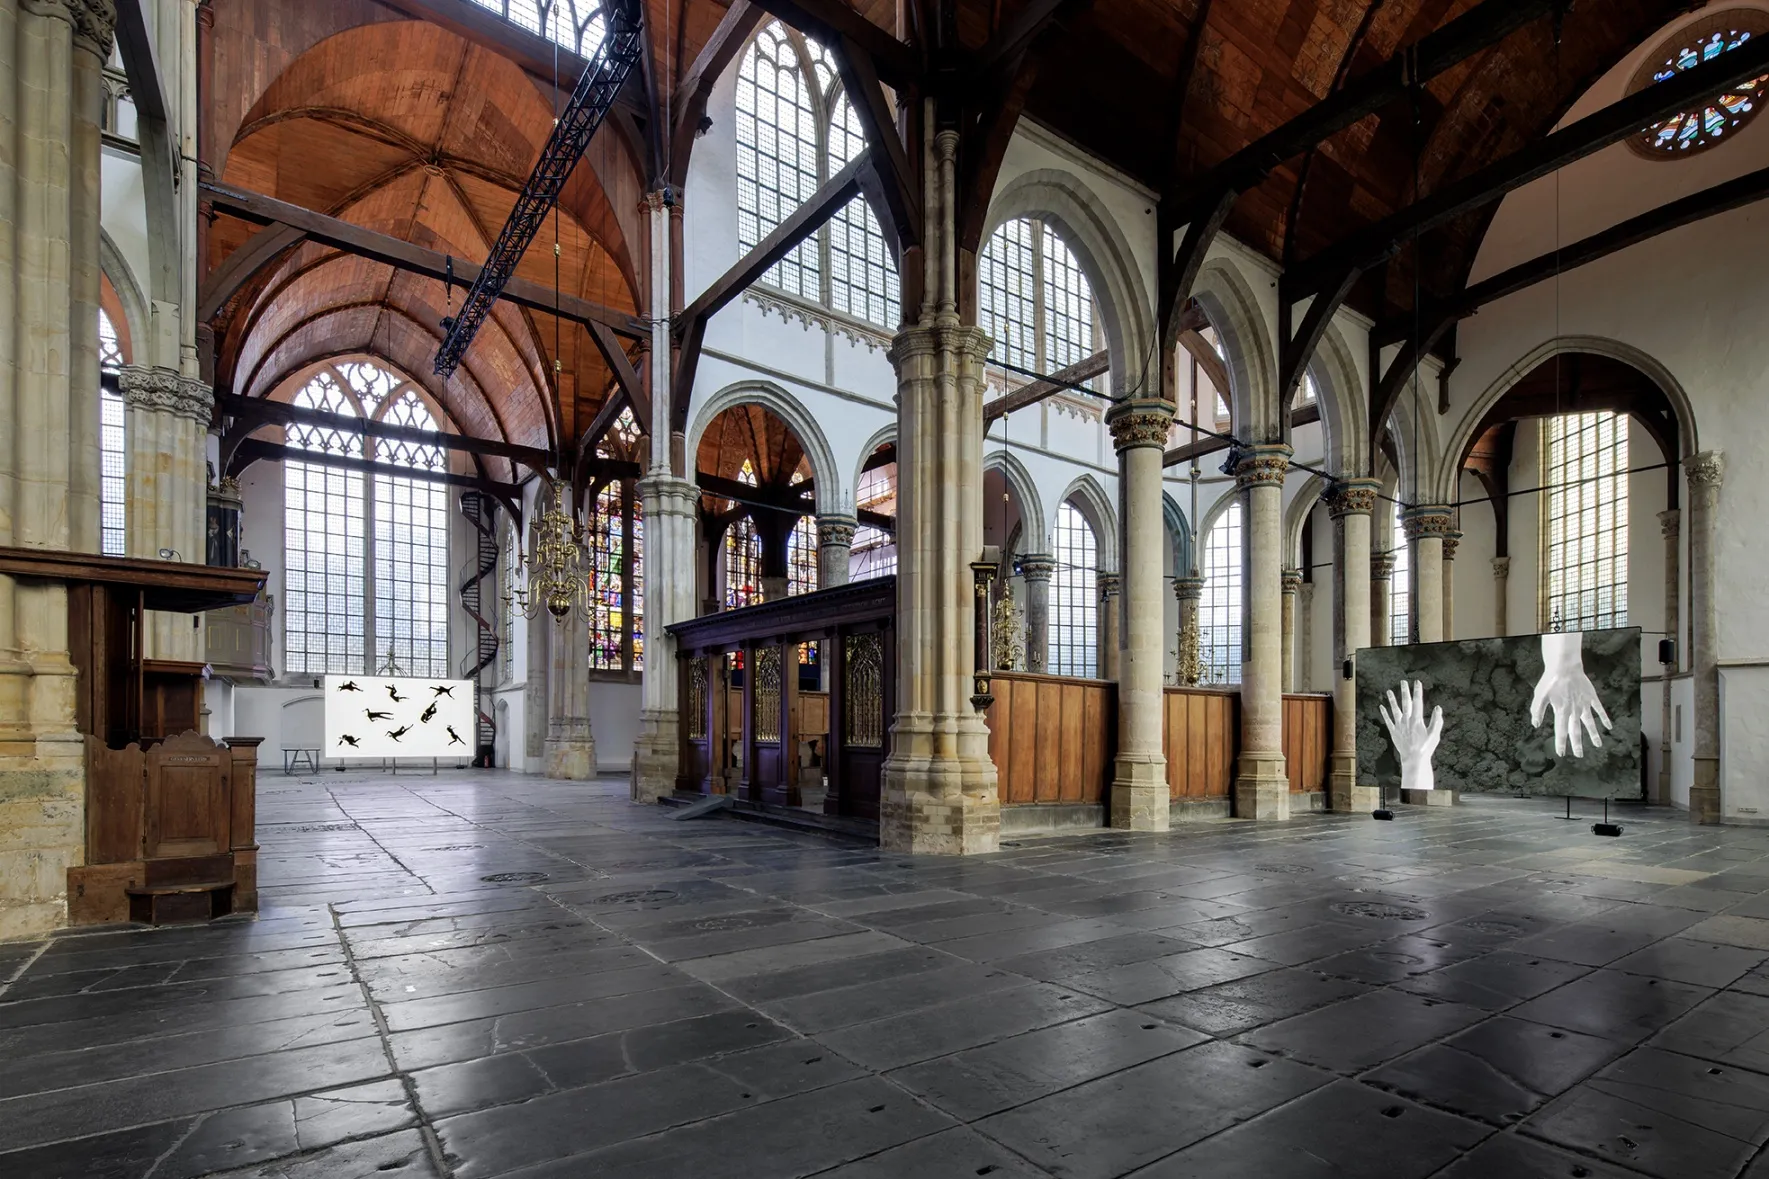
[1566, 687]
[1414, 740]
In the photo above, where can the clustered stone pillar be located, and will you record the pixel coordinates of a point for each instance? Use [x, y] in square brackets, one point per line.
[1139, 800]
[1305, 637]
[1292, 587]
[1426, 527]
[1450, 542]
[51, 55]
[1350, 504]
[1110, 608]
[939, 787]
[1501, 593]
[1189, 591]
[168, 425]
[835, 549]
[1706, 471]
[1670, 527]
[670, 503]
[1381, 604]
[571, 746]
[1035, 571]
[1262, 788]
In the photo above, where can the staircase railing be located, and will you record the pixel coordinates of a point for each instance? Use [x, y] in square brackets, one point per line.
[481, 512]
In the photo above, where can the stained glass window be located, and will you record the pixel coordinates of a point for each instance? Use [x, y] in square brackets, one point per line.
[1219, 612]
[113, 448]
[1074, 597]
[366, 568]
[1585, 521]
[794, 131]
[875, 551]
[743, 564]
[801, 557]
[605, 542]
[1400, 586]
[1717, 118]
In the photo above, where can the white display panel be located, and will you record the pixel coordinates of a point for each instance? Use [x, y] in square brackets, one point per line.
[398, 716]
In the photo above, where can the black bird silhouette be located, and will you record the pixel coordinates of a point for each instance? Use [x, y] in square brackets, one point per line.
[373, 715]
[396, 734]
[347, 739]
[454, 738]
[348, 686]
[445, 690]
[427, 714]
[394, 692]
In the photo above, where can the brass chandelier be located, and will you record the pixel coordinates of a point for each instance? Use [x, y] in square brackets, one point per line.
[557, 576]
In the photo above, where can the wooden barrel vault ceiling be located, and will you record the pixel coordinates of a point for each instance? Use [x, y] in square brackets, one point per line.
[396, 115]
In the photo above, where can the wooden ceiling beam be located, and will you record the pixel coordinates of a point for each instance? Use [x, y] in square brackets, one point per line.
[252, 413]
[829, 21]
[721, 49]
[896, 180]
[1721, 198]
[403, 255]
[1058, 382]
[251, 450]
[1302, 415]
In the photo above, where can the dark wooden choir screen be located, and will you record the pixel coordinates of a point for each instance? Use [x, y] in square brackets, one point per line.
[750, 724]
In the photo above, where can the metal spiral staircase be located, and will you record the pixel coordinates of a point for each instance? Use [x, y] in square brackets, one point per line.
[481, 512]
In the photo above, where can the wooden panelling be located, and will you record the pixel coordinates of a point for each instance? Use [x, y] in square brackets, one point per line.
[1199, 740]
[1051, 738]
[1308, 740]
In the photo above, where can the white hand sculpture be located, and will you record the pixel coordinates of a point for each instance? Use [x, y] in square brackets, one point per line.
[1414, 740]
[1565, 685]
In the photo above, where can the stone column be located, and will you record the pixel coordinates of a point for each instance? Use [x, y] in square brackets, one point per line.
[50, 55]
[835, 549]
[535, 709]
[1426, 527]
[1450, 541]
[1705, 471]
[1110, 608]
[571, 747]
[1501, 595]
[1305, 637]
[669, 505]
[1262, 788]
[1035, 571]
[1292, 587]
[1381, 606]
[1670, 527]
[1350, 503]
[168, 425]
[1190, 592]
[1139, 779]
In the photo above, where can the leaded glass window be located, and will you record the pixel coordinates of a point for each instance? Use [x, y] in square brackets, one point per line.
[795, 129]
[113, 447]
[1585, 521]
[1717, 118]
[605, 542]
[1400, 585]
[366, 578]
[801, 557]
[576, 24]
[1219, 611]
[1074, 597]
[743, 564]
[1033, 299]
[507, 586]
[875, 551]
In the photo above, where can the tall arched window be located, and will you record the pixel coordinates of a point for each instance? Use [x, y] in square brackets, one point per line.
[801, 557]
[1400, 586]
[1074, 597]
[575, 24]
[614, 534]
[795, 129]
[1585, 521]
[113, 447]
[1033, 299]
[1219, 612]
[743, 564]
[365, 568]
[875, 551]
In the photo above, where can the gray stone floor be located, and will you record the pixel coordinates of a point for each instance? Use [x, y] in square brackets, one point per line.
[486, 974]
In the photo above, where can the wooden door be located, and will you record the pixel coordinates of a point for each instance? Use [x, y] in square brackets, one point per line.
[188, 805]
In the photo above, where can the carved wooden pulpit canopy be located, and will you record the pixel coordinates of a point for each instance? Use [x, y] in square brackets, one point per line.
[169, 812]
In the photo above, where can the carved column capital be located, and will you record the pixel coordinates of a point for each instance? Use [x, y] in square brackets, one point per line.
[1351, 497]
[1381, 566]
[1037, 567]
[1430, 520]
[1670, 523]
[163, 390]
[1450, 541]
[836, 530]
[1144, 421]
[1188, 589]
[1292, 581]
[1263, 465]
[1110, 585]
[1501, 568]
[1707, 469]
[95, 23]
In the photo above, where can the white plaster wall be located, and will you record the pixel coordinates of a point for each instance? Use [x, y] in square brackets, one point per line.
[614, 719]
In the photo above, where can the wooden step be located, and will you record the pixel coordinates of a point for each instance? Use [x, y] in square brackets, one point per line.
[171, 903]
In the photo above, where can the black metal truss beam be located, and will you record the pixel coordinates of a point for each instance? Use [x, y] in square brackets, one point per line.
[584, 111]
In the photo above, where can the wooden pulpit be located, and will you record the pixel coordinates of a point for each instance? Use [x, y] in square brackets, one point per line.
[170, 813]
